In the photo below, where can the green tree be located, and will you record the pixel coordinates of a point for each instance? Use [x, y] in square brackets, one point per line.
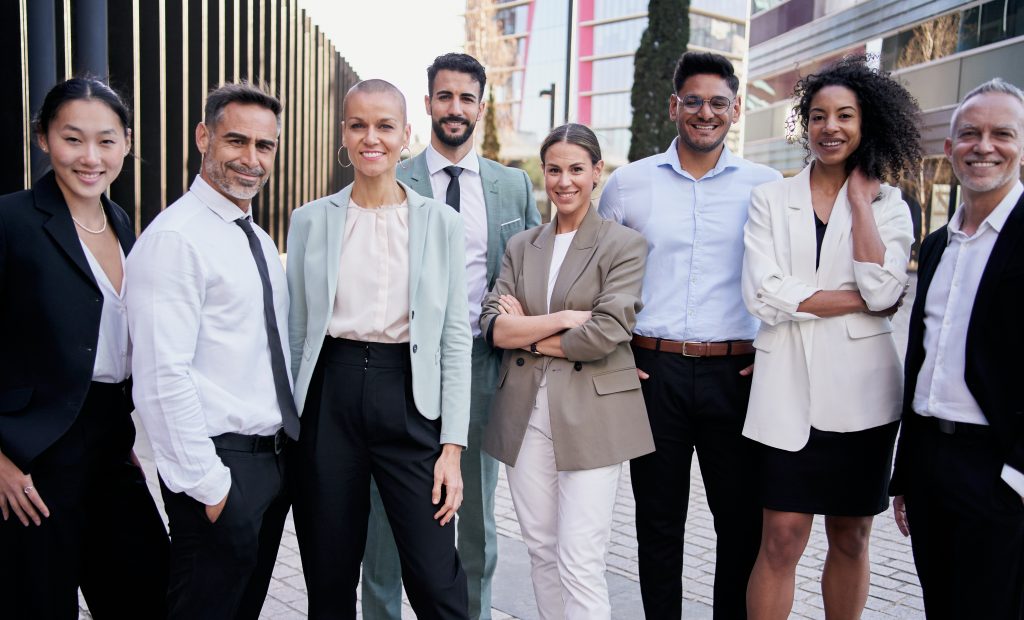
[664, 40]
[492, 146]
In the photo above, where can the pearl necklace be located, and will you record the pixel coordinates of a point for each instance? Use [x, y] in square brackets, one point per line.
[102, 229]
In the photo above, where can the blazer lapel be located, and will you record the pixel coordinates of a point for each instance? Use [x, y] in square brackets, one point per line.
[536, 263]
[836, 233]
[419, 176]
[492, 204]
[803, 245]
[1001, 258]
[584, 245]
[334, 228]
[419, 219]
[122, 226]
[59, 226]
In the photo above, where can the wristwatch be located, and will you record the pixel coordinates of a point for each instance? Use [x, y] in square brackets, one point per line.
[533, 349]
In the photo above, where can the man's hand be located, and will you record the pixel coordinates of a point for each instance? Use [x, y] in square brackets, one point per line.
[899, 512]
[746, 372]
[213, 512]
[18, 495]
[448, 473]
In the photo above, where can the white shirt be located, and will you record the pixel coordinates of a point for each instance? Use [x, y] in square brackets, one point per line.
[372, 299]
[562, 244]
[201, 363]
[941, 390]
[114, 348]
[474, 220]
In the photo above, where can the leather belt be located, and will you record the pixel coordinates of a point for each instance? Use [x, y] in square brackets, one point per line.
[695, 349]
[252, 443]
[949, 427]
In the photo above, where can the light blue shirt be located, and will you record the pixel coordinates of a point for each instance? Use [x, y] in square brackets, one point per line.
[694, 232]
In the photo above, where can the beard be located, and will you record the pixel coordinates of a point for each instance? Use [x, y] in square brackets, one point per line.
[216, 171]
[452, 140]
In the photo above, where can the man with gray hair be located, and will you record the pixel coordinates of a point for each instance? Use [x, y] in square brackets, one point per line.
[959, 473]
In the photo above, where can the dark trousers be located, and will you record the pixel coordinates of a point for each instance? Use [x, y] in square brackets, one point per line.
[966, 524]
[104, 533]
[222, 570]
[695, 404]
[360, 421]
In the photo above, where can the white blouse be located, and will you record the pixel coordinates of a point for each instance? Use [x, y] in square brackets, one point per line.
[372, 302]
[114, 348]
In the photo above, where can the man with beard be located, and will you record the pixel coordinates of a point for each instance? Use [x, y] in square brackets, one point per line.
[207, 309]
[496, 202]
[692, 340]
[959, 472]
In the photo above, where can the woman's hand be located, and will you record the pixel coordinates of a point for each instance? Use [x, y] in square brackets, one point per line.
[18, 495]
[573, 318]
[860, 190]
[508, 304]
[899, 512]
[448, 473]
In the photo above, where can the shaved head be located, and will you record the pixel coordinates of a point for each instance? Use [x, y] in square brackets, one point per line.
[377, 87]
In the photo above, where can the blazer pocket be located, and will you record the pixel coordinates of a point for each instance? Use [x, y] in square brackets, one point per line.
[765, 339]
[616, 381]
[14, 401]
[862, 325]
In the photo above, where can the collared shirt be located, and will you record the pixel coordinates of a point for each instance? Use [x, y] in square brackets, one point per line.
[474, 219]
[201, 361]
[941, 390]
[114, 347]
[372, 299]
[694, 232]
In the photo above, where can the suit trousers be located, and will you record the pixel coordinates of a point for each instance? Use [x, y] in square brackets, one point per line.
[477, 536]
[966, 523]
[104, 533]
[222, 570]
[566, 520]
[695, 404]
[360, 422]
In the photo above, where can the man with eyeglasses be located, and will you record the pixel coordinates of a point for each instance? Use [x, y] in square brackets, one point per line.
[692, 340]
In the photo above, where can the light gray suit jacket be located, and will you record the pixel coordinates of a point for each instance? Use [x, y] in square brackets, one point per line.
[439, 336]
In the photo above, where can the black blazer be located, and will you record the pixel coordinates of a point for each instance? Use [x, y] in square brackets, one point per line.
[50, 308]
[995, 340]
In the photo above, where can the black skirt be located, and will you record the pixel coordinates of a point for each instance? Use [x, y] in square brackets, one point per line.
[839, 474]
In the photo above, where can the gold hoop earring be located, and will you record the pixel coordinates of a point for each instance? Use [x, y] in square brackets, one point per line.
[401, 162]
[339, 158]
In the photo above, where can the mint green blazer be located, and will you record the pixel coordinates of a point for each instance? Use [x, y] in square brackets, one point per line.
[439, 335]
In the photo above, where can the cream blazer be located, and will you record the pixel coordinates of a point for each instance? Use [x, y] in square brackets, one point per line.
[838, 374]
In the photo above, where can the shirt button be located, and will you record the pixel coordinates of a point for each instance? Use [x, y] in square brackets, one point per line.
[412, 315]
[414, 348]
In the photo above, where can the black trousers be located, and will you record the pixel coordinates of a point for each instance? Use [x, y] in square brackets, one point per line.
[104, 533]
[695, 404]
[222, 570]
[360, 421]
[966, 524]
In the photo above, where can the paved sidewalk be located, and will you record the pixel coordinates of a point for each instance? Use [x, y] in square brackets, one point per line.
[895, 592]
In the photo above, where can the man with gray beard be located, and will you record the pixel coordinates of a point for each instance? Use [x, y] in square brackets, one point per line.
[207, 310]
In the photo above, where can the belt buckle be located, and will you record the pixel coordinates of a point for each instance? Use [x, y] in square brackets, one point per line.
[279, 441]
[947, 427]
[687, 343]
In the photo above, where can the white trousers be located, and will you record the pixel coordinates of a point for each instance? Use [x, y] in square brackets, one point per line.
[566, 520]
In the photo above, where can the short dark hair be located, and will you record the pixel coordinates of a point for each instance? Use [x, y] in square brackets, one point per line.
[697, 63]
[83, 88]
[243, 92]
[463, 63]
[573, 133]
[890, 142]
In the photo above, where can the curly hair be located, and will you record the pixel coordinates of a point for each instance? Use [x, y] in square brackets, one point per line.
[890, 144]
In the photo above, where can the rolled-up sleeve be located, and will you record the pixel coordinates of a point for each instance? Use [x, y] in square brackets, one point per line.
[882, 285]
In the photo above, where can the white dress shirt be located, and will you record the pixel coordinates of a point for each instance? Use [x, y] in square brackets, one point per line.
[201, 363]
[372, 299]
[114, 347]
[941, 390]
[474, 220]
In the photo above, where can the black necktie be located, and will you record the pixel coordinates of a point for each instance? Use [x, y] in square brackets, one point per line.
[282, 384]
[454, 192]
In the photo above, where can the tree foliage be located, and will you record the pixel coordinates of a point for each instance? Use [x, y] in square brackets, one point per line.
[663, 42]
[491, 146]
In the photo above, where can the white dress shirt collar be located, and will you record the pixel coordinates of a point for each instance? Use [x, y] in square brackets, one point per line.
[437, 161]
[995, 220]
[726, 160]
[216, 201]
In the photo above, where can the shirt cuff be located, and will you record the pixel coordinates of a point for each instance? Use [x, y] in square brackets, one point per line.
[213, 487]
[1013, 478]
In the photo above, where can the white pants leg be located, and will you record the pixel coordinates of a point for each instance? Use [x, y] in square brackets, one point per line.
[566, 520]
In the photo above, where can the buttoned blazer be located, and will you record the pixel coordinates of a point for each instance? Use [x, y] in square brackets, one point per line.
[837, 374]
[995, 338]
[597, 411]
[50, 307]
[508, 198]
[440, 339]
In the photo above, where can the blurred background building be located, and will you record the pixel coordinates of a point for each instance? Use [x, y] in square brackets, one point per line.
[164, 56]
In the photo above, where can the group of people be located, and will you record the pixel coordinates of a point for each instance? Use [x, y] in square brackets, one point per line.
[706, 304]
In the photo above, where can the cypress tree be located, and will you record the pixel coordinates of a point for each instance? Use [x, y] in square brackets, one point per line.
[491, 147]
[663, 42]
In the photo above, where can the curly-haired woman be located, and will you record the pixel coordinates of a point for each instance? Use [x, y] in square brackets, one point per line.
[824, 270]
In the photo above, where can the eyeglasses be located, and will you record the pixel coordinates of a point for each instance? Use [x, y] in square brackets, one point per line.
[693, 103]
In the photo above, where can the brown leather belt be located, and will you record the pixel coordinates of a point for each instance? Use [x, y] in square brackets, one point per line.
[695, 349]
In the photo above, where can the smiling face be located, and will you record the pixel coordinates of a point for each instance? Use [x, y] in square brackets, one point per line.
[238, 151]
[987, 142]
[454, 107]
[703, 131]
[833, 125]
[569, 179]
[87, 145]
[374, 132]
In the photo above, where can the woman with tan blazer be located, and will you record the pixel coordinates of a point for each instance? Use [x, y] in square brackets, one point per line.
[568, 409]
[824, 269]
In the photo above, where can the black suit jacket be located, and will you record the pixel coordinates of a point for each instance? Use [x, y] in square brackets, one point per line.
[995, 340]
[50, 308]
